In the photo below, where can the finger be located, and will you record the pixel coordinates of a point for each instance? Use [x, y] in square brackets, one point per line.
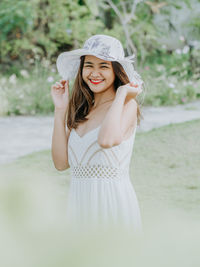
[67, 83]
[59, 84]
[58, 87]
[63, 82]
[67, 87]
[134, 84]
[133, 88]
[54, 86]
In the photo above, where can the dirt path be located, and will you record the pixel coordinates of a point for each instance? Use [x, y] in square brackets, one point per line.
[22, 135]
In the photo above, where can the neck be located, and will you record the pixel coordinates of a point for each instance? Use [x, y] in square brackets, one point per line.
[104, 96]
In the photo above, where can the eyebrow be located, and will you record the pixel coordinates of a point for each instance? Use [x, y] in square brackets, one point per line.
[102, 63]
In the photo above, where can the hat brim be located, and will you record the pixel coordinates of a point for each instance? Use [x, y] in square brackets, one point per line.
[68, 64]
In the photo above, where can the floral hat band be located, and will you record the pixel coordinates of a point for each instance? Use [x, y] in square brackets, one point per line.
[105, 46]
[102, 46]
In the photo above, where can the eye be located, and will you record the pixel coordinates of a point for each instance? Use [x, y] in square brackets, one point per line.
[104, 67]
[87, 66]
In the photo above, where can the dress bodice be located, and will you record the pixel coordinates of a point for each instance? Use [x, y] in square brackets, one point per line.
[85, 152]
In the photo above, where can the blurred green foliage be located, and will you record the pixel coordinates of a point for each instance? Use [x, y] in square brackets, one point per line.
[37, 28]
[164, 34]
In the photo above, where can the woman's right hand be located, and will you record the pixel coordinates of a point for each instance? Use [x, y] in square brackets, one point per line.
[60, 94]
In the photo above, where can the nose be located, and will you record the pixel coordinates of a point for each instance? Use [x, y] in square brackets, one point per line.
[95, 73]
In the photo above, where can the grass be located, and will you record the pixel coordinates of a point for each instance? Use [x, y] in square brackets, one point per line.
[165, 167]
[166, 177]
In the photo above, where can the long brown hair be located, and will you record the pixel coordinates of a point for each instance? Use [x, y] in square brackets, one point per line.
[81, 100]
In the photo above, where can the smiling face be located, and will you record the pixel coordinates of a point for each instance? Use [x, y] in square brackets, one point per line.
[98, 74]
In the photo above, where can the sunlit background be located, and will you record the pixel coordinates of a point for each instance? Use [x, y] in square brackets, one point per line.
[165, 166]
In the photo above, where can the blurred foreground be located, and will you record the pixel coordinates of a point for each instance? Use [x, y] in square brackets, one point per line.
[33, 233]
[166, 177]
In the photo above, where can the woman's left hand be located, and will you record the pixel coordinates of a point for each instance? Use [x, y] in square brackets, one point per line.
[131, 89]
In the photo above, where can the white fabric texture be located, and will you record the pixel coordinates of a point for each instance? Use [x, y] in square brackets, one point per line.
[101, 193]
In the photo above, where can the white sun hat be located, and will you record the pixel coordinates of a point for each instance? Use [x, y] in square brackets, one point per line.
[102, 46]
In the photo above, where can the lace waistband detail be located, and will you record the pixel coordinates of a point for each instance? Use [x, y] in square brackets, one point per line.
[97, 171]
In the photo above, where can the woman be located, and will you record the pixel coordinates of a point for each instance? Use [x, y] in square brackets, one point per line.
[102, 115]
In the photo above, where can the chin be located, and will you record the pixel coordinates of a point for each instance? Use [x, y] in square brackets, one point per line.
[94, 87]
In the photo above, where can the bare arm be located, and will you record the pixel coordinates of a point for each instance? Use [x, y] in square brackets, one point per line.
[119, 118]
[59, 149]
[60, 141]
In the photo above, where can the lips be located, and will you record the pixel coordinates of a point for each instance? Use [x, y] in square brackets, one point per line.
[96, 81]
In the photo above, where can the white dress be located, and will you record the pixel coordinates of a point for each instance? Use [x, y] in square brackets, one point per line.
[100, 192]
